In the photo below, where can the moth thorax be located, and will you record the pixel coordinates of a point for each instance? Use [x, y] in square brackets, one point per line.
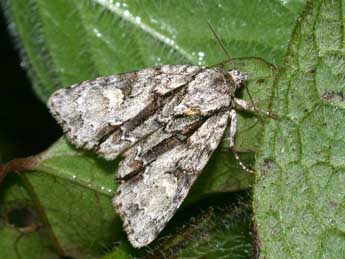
[238, 78]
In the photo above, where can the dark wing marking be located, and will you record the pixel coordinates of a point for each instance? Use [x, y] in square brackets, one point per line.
[158, 172]
[148, 200]
[100, 114]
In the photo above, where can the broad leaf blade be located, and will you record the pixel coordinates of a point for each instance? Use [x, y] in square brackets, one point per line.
[299, 192]
[64, 42]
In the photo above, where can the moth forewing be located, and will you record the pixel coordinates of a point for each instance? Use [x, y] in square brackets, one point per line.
[166, 121]
[148, 201]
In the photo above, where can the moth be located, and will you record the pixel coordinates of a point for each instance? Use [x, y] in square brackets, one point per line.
[165, 121]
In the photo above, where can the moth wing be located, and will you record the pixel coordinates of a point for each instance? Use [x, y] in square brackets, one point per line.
[147, 201]
[97, 114]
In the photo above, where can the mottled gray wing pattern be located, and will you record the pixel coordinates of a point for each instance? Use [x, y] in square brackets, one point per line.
[101, 114]
[157, 172]
[166, 122]
[148, 200]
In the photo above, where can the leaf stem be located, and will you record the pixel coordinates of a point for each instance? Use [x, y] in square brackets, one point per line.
[19, 165]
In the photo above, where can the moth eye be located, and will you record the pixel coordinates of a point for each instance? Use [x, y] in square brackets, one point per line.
[236, 72]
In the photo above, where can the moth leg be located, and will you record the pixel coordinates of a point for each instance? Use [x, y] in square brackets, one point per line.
[233, 128]
[241, 104]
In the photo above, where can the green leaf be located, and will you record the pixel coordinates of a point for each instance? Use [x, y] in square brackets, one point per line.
[14, 244]
[20, 227]
[299, 193]
[71, 193]
[64, 42]
[221, 230]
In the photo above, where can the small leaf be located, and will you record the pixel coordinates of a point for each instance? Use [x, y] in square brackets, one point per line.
[299, 193]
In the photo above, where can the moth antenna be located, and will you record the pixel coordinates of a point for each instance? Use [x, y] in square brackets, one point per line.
[215, 34]
[219, 40]
[251, 99]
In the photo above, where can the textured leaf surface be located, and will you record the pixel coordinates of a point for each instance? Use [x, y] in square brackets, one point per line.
[217, 231]
[65, 42]
[299, 194]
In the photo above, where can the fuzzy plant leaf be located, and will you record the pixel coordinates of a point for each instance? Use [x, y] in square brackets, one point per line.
[299, 193]
[218, 231]
[65, 42]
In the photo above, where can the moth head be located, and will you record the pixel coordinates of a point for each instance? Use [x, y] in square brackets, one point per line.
[238, 78]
